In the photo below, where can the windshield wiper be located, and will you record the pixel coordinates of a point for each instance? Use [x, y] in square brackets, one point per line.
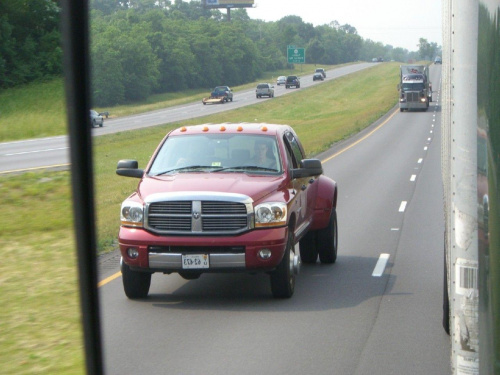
[245, 167]
[191, 167]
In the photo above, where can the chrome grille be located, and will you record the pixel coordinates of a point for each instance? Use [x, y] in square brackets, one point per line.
[197, 217]
[412, 96]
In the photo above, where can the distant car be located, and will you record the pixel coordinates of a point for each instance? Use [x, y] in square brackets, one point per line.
[264, 89]
[322, 71]
[281, 80]
[96, 119]
[438, 60]
[292, 81]
[224, 92]
[318, 77]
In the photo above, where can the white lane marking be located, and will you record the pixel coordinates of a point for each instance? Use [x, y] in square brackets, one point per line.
[420, 160]
[380, 266]
[413, 177]
[33, 152]
[394, 229]
[425, 148]
[428, 139]
[402, 206]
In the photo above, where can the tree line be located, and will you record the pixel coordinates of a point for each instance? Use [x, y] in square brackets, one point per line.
[142, 47]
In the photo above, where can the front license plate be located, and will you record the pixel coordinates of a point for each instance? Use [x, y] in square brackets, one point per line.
[194, 261]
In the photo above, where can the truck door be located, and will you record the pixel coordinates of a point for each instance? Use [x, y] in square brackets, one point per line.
[305, 187]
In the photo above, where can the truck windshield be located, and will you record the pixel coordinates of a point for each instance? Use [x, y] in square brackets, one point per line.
[247, 153]
[413, 86]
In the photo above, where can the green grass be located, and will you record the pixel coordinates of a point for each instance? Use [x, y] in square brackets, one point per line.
[38, 110]
[33, 111]
[37, 233]
[39, 318]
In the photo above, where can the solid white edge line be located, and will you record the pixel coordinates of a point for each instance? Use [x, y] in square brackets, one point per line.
[413, 177]
[380, 266]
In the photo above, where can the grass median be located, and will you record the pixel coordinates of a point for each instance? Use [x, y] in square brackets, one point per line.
[40, 319]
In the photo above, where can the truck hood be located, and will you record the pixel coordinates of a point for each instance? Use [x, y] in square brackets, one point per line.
[256, 187]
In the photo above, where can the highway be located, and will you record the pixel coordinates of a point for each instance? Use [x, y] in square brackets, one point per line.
[377, 310]
[54, 151]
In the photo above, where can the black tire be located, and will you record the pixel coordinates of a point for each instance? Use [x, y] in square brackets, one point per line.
[327, 240]
[308, 248]
[401, 109]
[135, 284]
[257, 96]
[231, 99]
[283, 277]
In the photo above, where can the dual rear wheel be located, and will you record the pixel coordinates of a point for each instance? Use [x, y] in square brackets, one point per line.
[321, 242]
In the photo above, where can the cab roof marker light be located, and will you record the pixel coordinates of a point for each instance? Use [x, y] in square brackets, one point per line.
[183, 129]
[205, 128]
[263, 128]
[222, 128]
[239, 128]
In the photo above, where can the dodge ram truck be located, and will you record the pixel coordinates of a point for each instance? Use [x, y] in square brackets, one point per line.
[227, 198]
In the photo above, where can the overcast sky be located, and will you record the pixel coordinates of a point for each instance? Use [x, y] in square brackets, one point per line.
[395, 22]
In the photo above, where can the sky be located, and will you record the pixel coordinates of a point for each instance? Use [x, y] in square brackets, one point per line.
[394, 22]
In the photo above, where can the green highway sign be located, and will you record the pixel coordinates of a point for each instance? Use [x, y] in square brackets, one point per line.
[296, 55]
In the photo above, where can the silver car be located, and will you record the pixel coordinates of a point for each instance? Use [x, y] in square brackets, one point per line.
[96, 119]
[264, 89]
[281, 80]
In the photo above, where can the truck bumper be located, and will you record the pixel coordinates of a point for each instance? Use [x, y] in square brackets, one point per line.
[225, 254]
[413, 105]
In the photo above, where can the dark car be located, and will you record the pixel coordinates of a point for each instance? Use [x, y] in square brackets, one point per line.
[292, 81]
[318, 77]
[321, 71]
[223, 91]
[96, 119]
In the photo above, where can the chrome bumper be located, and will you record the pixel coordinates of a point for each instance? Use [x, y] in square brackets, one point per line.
[173, 261]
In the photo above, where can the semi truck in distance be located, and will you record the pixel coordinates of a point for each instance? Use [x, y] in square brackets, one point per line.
[415, 90]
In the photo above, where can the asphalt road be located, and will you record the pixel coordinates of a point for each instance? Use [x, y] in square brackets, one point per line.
[54, 151]
[358, 316]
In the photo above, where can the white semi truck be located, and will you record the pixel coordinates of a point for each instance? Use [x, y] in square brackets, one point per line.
[415, 90]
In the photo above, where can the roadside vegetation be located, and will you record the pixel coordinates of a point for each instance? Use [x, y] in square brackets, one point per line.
[37, 225]
[37, 110]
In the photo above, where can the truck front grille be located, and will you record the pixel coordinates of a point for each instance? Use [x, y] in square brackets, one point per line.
[198, 217]
[412, 97]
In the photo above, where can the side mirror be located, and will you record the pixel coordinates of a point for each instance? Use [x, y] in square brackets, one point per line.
[129, 168]
[308, 168]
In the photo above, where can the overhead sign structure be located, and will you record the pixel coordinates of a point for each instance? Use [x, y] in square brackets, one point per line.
[296, 55]
[229, 3]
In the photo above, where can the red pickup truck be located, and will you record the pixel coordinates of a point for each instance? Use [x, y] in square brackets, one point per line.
[227, 198]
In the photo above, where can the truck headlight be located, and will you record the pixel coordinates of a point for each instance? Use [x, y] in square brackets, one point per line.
[132, 214]
[270, 215]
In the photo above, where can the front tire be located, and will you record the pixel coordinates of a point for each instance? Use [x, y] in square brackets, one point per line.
[135, 284]
[283, 278]
[328, 239]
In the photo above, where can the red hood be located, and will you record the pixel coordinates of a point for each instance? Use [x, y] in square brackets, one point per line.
[255, 186]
